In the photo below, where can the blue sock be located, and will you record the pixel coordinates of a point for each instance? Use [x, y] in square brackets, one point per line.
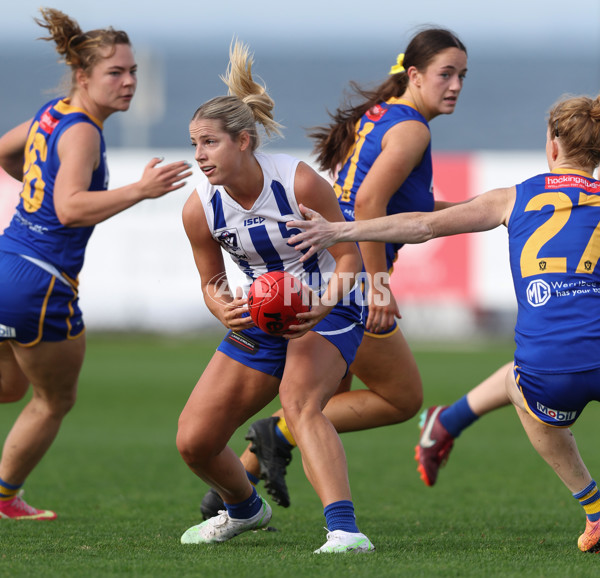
[283, 438]
[340, 516]
[589, 498]
[8, 491]
[457, 417]
[253, 479]
[246, 509]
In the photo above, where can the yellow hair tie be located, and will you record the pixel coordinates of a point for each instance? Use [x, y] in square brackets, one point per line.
[399, 66]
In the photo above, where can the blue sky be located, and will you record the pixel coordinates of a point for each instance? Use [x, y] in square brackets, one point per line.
[540, 25]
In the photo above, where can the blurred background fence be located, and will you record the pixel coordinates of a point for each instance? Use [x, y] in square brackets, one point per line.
[139, 273]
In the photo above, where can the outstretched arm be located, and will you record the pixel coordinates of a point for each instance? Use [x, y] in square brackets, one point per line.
[76, 206]
[226, 306]
[482, 213]
[309, 187]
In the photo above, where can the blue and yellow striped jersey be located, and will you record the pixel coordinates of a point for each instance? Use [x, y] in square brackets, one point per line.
[35, 230]
[554, 244]
[415, 193]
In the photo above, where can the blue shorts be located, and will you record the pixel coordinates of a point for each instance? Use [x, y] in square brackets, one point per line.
[557, 399]
[343, 327]
[36, 305]
[381, 334]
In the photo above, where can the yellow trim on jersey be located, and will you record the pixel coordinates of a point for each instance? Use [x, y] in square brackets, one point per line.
[560, 171]
[361, 137]
[399, 100]
[64, 107]
[340, 193]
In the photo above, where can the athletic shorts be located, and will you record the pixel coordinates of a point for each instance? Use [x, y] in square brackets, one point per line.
[36, 305]
[343, 327]
[557, 399]
[382, 334]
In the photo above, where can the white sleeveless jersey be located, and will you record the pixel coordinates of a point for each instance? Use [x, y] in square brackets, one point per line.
[257, 238]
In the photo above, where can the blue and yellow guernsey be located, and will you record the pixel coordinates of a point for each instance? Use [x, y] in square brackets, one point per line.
[415, 193]
[554, 243]
[35, 230]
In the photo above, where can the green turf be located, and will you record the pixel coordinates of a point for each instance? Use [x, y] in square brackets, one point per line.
[124, 496]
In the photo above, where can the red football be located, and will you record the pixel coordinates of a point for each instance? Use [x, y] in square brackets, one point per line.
[274, 300]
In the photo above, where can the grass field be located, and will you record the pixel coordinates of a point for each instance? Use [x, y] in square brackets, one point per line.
[124, 496]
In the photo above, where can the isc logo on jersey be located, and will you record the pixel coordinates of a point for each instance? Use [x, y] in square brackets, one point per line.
[538, 292]
[253, 221]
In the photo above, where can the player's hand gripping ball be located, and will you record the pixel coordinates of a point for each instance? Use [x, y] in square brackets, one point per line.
[274, 300]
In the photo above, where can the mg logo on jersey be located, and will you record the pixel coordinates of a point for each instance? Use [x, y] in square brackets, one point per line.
[538, 292]
[556, 414]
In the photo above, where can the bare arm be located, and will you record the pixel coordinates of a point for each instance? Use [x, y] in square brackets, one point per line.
[12, 150]
[79, 153]
[208, 257]
[402, 149]
[439, 205]
[482, 213]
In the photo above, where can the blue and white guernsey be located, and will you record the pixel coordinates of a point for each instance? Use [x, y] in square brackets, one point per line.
[257, 238]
